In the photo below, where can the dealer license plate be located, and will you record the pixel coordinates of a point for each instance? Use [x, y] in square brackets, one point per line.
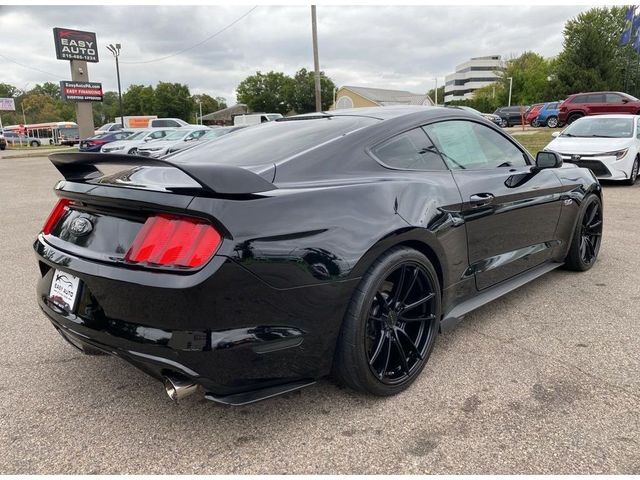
[64, 290]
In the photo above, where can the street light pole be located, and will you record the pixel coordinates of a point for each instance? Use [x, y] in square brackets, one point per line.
[200, 105]
[116, 53]
[510, 87]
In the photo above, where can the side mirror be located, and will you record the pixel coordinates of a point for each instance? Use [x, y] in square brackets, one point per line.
[547, 160]
[625, 100]
[556, 134]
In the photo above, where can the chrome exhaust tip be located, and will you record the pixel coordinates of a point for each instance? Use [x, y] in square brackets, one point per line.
[179, 388]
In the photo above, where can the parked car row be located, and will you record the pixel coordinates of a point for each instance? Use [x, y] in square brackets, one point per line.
[559, 113]
[152, 142]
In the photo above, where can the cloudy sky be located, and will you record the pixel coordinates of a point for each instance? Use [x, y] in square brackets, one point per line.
[386, 47]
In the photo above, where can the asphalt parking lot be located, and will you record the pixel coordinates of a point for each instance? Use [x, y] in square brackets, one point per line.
[544, 380]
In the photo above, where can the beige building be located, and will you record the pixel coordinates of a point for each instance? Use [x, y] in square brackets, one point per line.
[356, 97]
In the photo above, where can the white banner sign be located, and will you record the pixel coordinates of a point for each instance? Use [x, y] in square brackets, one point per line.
[7, 104]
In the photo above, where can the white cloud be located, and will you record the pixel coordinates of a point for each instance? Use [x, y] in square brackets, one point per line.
[394, 46]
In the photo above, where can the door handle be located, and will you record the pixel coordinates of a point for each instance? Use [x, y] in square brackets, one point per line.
[481, 199]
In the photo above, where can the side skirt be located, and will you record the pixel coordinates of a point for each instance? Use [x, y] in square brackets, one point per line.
[457, 313]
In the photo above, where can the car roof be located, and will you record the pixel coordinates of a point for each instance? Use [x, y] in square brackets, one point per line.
[380, 113]
[619, 115]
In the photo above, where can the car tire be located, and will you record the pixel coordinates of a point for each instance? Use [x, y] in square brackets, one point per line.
[633, 176]
[133, 151]
[573, 117]
[552, 122]
[534, 123]
[34, 143]
[390, 325]
[587, 236]
[504, 123]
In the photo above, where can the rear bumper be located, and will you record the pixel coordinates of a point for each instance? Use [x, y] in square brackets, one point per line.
[222, 328]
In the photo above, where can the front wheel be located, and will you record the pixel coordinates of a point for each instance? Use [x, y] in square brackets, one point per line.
[587, 236]
[633, 176]
[133, 151]
[534, 123]
[552, 122]
[391, 324]
[504, 123]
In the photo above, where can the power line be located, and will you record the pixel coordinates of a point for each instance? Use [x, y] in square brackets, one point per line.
[197, 44]
[30, 68]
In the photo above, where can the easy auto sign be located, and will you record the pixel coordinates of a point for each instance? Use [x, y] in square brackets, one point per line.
[75, 45]
[81, 91]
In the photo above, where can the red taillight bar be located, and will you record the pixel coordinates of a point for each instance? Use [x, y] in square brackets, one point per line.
[170, 241]
[55, 215]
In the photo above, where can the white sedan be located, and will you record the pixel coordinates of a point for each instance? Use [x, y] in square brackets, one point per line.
[609, 145]
[131, 144]
[159, 148]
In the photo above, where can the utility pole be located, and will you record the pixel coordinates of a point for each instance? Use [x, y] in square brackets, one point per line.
[116, 53]
[510, 87]
[436, 91]
[316, 61]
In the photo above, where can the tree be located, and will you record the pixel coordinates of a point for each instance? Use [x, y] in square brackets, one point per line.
[302, 93]
[266, 92]
[592, 59]
[530, 72]
[432, 94]
[209, 104]
[173, 100]
[138, 100]
[107, 110]
[49, 89]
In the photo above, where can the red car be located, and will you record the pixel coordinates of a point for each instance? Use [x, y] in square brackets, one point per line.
[532, 114]
[597, 103]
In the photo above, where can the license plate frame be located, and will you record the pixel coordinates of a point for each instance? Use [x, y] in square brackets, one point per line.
[64, 290]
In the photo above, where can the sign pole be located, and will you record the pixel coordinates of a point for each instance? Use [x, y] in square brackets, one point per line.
[84, 110]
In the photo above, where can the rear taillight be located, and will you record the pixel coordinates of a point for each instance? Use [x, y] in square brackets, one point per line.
[56, 214]
[169, 241]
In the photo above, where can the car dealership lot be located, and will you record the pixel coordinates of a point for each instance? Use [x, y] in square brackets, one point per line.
[544, 380]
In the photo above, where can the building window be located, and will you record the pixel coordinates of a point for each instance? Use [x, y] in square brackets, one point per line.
[344, 102]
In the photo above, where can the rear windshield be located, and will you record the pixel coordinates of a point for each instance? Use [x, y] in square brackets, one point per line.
[275, 141]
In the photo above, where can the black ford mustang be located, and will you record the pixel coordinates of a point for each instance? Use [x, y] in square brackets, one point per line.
[326, 243]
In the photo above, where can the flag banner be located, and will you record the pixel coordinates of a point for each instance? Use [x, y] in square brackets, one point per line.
[627, 30]
[635, 34]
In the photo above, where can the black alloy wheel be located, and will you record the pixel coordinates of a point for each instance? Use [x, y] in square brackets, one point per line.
[133, 151]
[391, 324]
[587, 236]
[504, 123]
[401, 320]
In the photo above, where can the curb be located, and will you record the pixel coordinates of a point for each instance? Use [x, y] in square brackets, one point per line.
[32, 154]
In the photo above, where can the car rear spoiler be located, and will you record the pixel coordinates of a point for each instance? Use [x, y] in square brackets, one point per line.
[214, 178]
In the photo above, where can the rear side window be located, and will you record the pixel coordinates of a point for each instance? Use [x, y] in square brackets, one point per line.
[469, 145]
[272, 142]
[613, 98]
[411, 150]
[579, 99]
[595, 98]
